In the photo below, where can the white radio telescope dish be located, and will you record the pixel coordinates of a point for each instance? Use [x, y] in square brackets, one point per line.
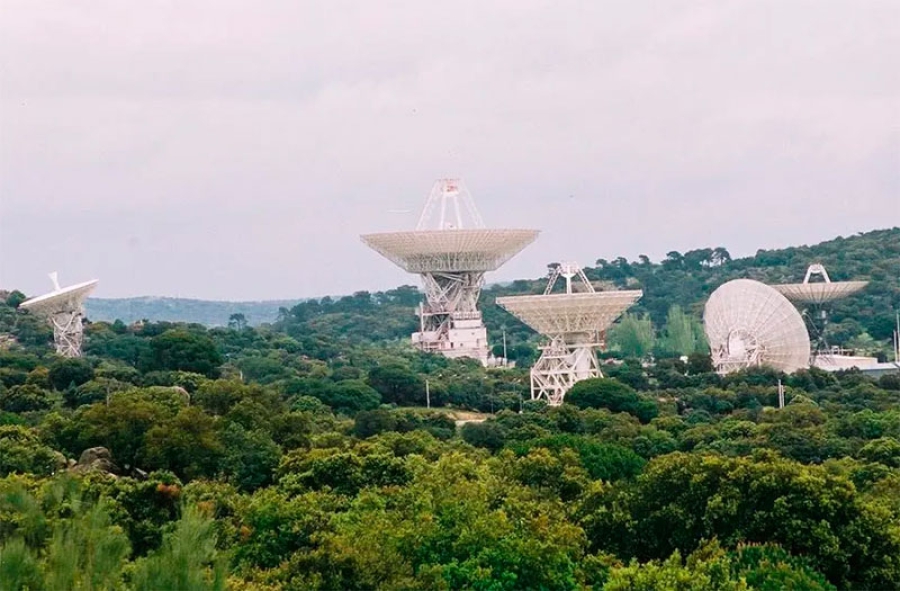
[819, 292]
[750, 324]
[62, 308]
[815, 298]
[575, 322]
[451, 250]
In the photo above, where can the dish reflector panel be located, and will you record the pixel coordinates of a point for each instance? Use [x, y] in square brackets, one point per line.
[750, 324]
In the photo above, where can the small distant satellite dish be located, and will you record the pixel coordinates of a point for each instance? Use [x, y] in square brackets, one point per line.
[821, 292]
[814, 298]
[62, 308]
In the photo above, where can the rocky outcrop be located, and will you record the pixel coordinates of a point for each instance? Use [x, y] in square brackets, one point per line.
[96, 459]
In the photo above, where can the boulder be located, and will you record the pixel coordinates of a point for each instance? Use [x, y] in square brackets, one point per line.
[96, 459]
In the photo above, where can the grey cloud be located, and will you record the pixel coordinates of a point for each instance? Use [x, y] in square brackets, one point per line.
[236, 150]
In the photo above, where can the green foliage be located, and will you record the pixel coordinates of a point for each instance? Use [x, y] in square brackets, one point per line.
[182, 350]
[350, 396]
[19, 569]
[143, 508]
[14, 298]
[769, 567]
[188, 559]
[613, 395]
[122, 426]
[683, 499]
[632, 336]
[21, 451]
[885, 450]
[453, 527]
[344, 473]
[602, 461]
[750, 568]
[24, 398]
[487, 435]
[372, 422]
[275, 525]
[187, 444]
[672, 575]
[79, 550]
[397, 384]
[70, 373]
[684, 334]
[250, 457]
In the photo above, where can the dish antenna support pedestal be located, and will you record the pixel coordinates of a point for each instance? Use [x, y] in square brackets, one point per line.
[562, 364]
[68, 332]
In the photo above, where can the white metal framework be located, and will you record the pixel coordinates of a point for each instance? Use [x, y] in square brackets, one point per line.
[448, 206]
[452, 260]
[750, 324]
[574, 322]
[62, 308]
[814, 298]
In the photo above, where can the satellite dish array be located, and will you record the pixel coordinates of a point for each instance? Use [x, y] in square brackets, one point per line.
[452, 250]
[747, 322]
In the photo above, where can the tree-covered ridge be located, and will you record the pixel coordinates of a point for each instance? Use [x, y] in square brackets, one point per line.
[687, 279]
[674, 293]
[301, 456]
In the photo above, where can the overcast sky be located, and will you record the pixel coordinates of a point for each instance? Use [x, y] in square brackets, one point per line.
[236, 150]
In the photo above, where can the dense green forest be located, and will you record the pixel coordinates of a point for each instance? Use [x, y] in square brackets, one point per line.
[301, 455]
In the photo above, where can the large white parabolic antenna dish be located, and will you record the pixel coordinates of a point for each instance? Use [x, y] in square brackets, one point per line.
[750, 324]
[430, 251]
[62, 307]
[451, 250]
[575, 322]
[58, 300]
[570, 313]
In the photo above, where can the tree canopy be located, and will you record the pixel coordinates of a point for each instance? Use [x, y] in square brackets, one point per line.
[304, 453]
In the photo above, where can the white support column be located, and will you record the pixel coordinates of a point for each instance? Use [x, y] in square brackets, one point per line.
[451, 322]
[560, 366]
[68, 332]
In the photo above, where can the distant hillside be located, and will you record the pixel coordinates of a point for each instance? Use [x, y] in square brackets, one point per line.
[209, 313]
